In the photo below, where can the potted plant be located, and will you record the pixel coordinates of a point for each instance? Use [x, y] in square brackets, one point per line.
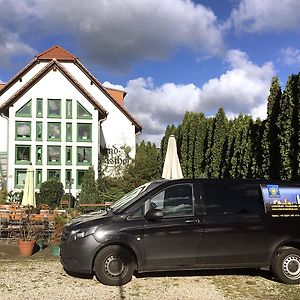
[59, 224]
[28, 232]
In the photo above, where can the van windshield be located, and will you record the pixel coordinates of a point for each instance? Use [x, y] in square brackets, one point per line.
[129, 198]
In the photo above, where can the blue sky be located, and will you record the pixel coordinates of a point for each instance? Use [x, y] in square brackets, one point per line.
[171, 56]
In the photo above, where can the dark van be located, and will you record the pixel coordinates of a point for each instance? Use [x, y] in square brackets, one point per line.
[189, 224]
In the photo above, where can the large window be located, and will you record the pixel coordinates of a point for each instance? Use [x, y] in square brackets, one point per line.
[20, 175]
[225, 198]
[25, 110]
[174, 201]
[39, 131]
[83, 113]
[53, 155]
[23, 130]
[84, 155]
[54, 131]
[54, 108]
[23, 154]
[84, 132]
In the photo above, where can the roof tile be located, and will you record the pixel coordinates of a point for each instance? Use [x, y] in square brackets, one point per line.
[56, 52]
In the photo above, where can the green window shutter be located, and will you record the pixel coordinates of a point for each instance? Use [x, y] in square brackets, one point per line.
[25, 110]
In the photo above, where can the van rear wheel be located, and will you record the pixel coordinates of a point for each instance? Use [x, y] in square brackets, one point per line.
[114, 265]
[286, 265]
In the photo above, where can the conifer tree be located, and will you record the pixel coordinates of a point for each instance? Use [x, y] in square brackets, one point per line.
[208, 147]
[89, 192]
[193, 126]
[285, 128]
[219, 138]
[199, 157]
[184, 149]
[270, 145]
[256, 137]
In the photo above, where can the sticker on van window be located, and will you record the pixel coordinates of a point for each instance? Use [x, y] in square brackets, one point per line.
[281, 201]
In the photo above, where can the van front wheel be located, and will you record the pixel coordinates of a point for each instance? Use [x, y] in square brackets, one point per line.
[114, 266]
[286, 265]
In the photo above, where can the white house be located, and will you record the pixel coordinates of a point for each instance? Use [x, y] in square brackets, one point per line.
[56, 115]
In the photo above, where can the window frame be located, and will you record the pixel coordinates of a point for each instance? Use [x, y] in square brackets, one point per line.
[39, 102]
[79, 105]
[38, 162]
[69, 126]
[17, 123]
[36, 131]
[71, 158]
[20, 186]
[22, 162]
[84, 163]
[49, 138]
[58, 171]
[51, 162]
[37, 173]
[89, 138]
[51, 115]
[79, 185]
[29, 103]
[69, 116]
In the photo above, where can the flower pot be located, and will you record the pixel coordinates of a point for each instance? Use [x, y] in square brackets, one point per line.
[26, 247]
[55, 250]
[40, 243]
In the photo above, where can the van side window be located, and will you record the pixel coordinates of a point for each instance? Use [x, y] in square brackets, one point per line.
[137, 214]
[224, 198]
[174, 201]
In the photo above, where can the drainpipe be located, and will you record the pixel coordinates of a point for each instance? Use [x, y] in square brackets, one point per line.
[99, 138]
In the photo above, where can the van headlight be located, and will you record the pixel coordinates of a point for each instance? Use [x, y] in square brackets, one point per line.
[82, 232]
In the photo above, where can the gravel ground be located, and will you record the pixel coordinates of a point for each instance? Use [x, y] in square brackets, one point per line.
[42, 277]
[45, 279]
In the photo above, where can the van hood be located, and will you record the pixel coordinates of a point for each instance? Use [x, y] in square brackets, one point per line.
[90, 219]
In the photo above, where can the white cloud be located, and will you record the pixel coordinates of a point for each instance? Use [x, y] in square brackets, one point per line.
[290, 56]
[266, 15]
[11, 46]
[244, 88]
[116, 33]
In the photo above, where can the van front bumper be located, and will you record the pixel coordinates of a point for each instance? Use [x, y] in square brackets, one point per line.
[78, 256]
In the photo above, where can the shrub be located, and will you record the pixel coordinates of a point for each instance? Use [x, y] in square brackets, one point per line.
[51, 192]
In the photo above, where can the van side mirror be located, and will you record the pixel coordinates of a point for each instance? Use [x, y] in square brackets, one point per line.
[154, 214]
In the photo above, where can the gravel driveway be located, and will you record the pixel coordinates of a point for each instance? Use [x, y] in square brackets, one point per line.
[45, 279]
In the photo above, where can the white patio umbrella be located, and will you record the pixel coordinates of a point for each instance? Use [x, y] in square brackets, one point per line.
[29, 193]
[172, 168]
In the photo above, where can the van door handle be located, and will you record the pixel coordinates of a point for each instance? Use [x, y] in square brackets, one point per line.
[192, 221]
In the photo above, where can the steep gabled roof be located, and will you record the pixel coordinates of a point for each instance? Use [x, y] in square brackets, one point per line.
[56, 52]
[53, 65]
